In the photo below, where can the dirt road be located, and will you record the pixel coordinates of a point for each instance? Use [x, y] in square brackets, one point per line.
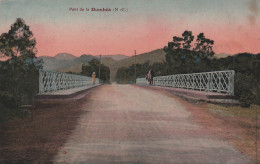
[126, 124]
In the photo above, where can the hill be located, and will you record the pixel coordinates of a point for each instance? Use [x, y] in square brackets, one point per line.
[75, 65]
[115, 57]
[64, 62]
[65, 56]
[221, 55]
[51, 63]
[113, 62]
[151, 57]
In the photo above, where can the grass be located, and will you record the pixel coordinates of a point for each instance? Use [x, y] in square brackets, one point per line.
[237, 111]
[240, 126]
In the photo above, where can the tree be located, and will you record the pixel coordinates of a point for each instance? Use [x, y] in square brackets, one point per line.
[18, 42]
[183, 42]
[204, 45]
[187, 39]
[93, 66]
[20, 71]
[176, 43]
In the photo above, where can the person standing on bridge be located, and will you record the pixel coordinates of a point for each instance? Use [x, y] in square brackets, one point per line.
[150, 76]
[93, 78]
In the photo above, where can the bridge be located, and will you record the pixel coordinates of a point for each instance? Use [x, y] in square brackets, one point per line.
[141, 123]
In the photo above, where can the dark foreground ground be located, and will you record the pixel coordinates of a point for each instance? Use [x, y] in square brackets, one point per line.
[125, 124]
[40, 136]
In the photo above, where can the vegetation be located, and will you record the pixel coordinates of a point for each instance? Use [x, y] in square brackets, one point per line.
[126, 75]
[181, 57]
[237, 125]
[93, 66]
[19, 72]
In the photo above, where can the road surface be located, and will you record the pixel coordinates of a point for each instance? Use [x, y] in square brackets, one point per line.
[127, 124]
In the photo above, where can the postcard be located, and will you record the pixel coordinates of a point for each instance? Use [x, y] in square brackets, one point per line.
[133, 81]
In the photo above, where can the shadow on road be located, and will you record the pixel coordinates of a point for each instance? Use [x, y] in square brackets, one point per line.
[39, 137]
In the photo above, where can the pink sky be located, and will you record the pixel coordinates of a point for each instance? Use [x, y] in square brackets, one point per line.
[233, 25]
[149, 36]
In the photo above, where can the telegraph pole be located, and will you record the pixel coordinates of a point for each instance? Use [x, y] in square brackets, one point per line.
[99, 67]
[256, 65]
[135, 66]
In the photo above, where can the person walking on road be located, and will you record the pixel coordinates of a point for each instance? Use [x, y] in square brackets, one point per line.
[93, 78]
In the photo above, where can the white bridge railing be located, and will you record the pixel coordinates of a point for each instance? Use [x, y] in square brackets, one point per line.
[218, 81]
[50, 81]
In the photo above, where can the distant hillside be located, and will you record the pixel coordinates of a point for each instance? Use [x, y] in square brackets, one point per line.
[65, 56]
[51, 63]
[151, 57]
[64, 62]
[75, 65]
[61, 65]
[115, 57]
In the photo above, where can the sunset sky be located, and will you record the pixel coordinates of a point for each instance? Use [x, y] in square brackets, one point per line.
[145, 25]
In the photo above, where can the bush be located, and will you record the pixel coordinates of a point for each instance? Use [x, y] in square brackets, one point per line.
[19, 84]
[244, 87]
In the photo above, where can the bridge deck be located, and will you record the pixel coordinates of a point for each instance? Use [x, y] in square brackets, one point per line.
[126, 124]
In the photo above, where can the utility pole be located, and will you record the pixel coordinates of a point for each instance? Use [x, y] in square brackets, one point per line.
[135, 66]
[256, 65]
[99, 67]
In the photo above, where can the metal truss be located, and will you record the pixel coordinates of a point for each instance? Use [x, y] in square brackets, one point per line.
[50, 81]
[218, 81]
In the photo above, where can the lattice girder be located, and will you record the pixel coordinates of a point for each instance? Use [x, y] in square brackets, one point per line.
[217, 81]
[50, 81]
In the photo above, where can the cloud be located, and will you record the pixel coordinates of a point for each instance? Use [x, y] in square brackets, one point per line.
[253, 8]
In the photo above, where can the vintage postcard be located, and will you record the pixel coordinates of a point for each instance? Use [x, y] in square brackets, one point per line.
[129, 81]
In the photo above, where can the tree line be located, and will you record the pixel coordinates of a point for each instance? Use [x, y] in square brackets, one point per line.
[186, 55]
[93, 66]
[87, 69]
